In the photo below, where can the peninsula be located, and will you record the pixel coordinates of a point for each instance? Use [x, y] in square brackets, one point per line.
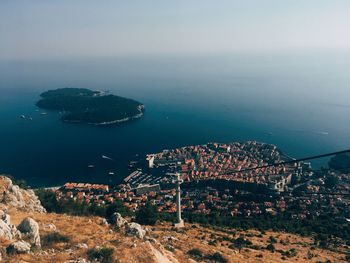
[80, 105]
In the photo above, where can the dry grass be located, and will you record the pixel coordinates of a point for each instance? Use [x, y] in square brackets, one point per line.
[200, 238]
[82, 230]
[89, 230]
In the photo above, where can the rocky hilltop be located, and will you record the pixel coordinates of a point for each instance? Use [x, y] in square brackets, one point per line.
[21, 238]
[29, 234]
[13, 197]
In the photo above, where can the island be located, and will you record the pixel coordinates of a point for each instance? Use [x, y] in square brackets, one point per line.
[79, 105]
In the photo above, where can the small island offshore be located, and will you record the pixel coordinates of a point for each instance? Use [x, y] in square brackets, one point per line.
[92, 107]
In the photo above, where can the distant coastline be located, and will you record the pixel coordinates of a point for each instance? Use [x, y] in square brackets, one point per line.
[91, 107]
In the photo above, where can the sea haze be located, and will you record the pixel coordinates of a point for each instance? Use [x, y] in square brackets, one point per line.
[299, 102]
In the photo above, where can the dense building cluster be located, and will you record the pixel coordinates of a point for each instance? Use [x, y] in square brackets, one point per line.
[210, 187]
[307, 200]
[228, 162]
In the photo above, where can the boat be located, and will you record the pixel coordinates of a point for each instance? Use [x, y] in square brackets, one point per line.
[111, 173]
[43, 113]
[91, 166]
[106, 157]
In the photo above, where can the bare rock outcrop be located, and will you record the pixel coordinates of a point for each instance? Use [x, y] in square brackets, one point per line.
[30, 228]
[5, 217]
[18, 247]
[117, 220]
[161, 255]
[78, 260]
[50, 227]
[135, 229]
[12, 196]
[81, 246]
[7, 230]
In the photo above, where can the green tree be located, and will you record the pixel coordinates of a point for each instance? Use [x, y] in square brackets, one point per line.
[270, 247]
[340, 162]
[195, 253]
[239, 243]
[117, 206]
[331, 181]
[49, 201]
[147, 214]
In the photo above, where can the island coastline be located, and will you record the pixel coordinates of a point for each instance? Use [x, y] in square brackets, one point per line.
[91, 107]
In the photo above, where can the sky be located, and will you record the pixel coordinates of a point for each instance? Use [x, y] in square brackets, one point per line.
[87, 28]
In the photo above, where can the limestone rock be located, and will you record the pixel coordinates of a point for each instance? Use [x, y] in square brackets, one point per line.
[152, 240]
[13, 196]
[50, 227]
[5, 230]
[5, 217]
[18, 247]
[30, 227]
[117, 220]
[81, 246]
[134, 229]
[16, 234]
[161, 255]
[8, 231]
[104, 222]
[78, 260]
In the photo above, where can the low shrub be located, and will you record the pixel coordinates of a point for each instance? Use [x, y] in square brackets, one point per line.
[240, 243]
[289, 253]
[53, 238]
[195, 253]
[212, 242]
[103, 255]
[272, 240]
[271, 247]
[217, 257]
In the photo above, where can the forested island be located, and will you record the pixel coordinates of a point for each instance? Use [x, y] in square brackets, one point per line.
[92, 107]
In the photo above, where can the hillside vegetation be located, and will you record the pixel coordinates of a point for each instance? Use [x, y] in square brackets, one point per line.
[67, 238]
[84, 105]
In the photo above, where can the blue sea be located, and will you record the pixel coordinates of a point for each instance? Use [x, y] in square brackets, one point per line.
[299, 101]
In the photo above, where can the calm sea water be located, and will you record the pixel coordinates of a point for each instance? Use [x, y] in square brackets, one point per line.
[299, 102]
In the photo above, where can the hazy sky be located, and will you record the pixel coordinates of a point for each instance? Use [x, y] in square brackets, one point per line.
[67, 28]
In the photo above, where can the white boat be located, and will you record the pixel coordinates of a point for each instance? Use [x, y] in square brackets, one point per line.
[91, 166]
[111, 173]
[106, 157]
